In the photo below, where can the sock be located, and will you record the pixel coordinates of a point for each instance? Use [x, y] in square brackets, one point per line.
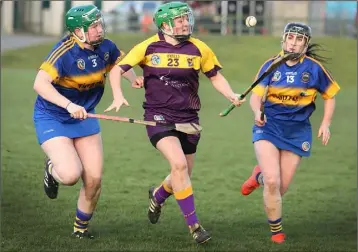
[275, 226]
[81, 222]
[260, 178]
[185, 199]
[162, 193]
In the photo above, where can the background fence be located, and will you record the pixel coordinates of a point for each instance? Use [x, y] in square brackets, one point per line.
[333, 18]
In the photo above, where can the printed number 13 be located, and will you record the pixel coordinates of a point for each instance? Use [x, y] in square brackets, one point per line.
[290, 78]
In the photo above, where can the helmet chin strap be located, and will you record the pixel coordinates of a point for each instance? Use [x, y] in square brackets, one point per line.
[179, 38]
[84, 40]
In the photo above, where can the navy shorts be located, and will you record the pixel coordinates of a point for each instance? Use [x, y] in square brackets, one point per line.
[286, 135]
[48, 127]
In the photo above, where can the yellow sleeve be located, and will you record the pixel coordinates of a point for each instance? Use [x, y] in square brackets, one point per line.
[259, 89]
[56, 59]
[50, 69]
[209, 63]
[136, 55]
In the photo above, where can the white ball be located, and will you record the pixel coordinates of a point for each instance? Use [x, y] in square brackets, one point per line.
[251, 21]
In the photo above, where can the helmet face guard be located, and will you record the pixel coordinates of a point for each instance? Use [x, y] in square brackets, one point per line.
[297, 30]
[168, 12]
[83, 17]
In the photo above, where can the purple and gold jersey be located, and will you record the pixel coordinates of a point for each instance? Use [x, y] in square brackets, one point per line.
[293, 89]
[171, 76]
[78, 74]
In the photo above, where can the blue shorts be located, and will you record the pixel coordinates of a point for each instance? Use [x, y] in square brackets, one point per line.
[286, 135]
[48, 127]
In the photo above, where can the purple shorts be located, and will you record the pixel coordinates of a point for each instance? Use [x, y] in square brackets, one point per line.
[155, 133]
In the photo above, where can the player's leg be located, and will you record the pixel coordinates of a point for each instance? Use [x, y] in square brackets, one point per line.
[62, 166]
[172, 150]
[268, 157]
[90, 151]
[159, 195]
[165, 190]
[289, 162]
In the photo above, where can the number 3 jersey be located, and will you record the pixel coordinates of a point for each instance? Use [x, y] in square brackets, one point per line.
[293, 89]
[78, 74]
[171, 76]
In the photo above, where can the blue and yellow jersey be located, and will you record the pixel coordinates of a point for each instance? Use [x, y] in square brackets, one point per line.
[293, 89]
[171, 73]
[78, 73]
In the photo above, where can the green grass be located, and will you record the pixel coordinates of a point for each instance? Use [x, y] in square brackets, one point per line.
[319, 209]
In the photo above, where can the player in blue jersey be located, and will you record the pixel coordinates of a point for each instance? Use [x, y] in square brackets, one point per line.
[285, 135]
[70, 83]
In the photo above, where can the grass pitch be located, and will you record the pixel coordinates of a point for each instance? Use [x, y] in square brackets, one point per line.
[319, 209]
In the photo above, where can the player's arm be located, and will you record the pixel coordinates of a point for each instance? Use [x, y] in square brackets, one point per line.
[45, 89]
[127, 63]
[255, 102]
[329, 107]
[222, 85]
[115, 82]
[210, 66]
[130, 75]
[328, 88]
[258, 91]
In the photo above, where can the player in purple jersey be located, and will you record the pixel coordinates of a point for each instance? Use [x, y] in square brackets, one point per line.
[171, 62]
[69, 84]
[285, 136]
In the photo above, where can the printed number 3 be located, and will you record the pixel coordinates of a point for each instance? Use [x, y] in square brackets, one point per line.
[173, 62]
[94, 62]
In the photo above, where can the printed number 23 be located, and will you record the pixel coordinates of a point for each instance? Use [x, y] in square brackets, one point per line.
[94, 62]
[173, 62]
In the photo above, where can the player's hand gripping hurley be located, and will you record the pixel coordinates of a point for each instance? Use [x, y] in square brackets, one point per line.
[188, 128]
[276, 63]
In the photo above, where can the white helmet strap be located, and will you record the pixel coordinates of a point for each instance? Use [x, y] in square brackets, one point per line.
[83, 40]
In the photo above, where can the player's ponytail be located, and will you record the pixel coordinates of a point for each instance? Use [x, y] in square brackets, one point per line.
[313, 50]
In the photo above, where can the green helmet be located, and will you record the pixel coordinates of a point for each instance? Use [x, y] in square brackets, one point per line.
[167, 12]
[82, 17]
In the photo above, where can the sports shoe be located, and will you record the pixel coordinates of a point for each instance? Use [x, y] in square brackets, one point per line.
[154, 209]
[81, 235]
[278, 238]
[50, 184]
[200, 235]
[251, 184]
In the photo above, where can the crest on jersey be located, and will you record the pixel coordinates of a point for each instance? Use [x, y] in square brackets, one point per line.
[106, 56]
[276, 76]
[190, 62]
[159, 118]
[155, 59]
[81, 64]
[306, 146]
[305, 77]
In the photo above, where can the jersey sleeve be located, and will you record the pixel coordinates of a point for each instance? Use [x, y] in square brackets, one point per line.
[53, 65]
[327, 86]
[260, 88]
[209, 63]
[115, 56]
[134, 57]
